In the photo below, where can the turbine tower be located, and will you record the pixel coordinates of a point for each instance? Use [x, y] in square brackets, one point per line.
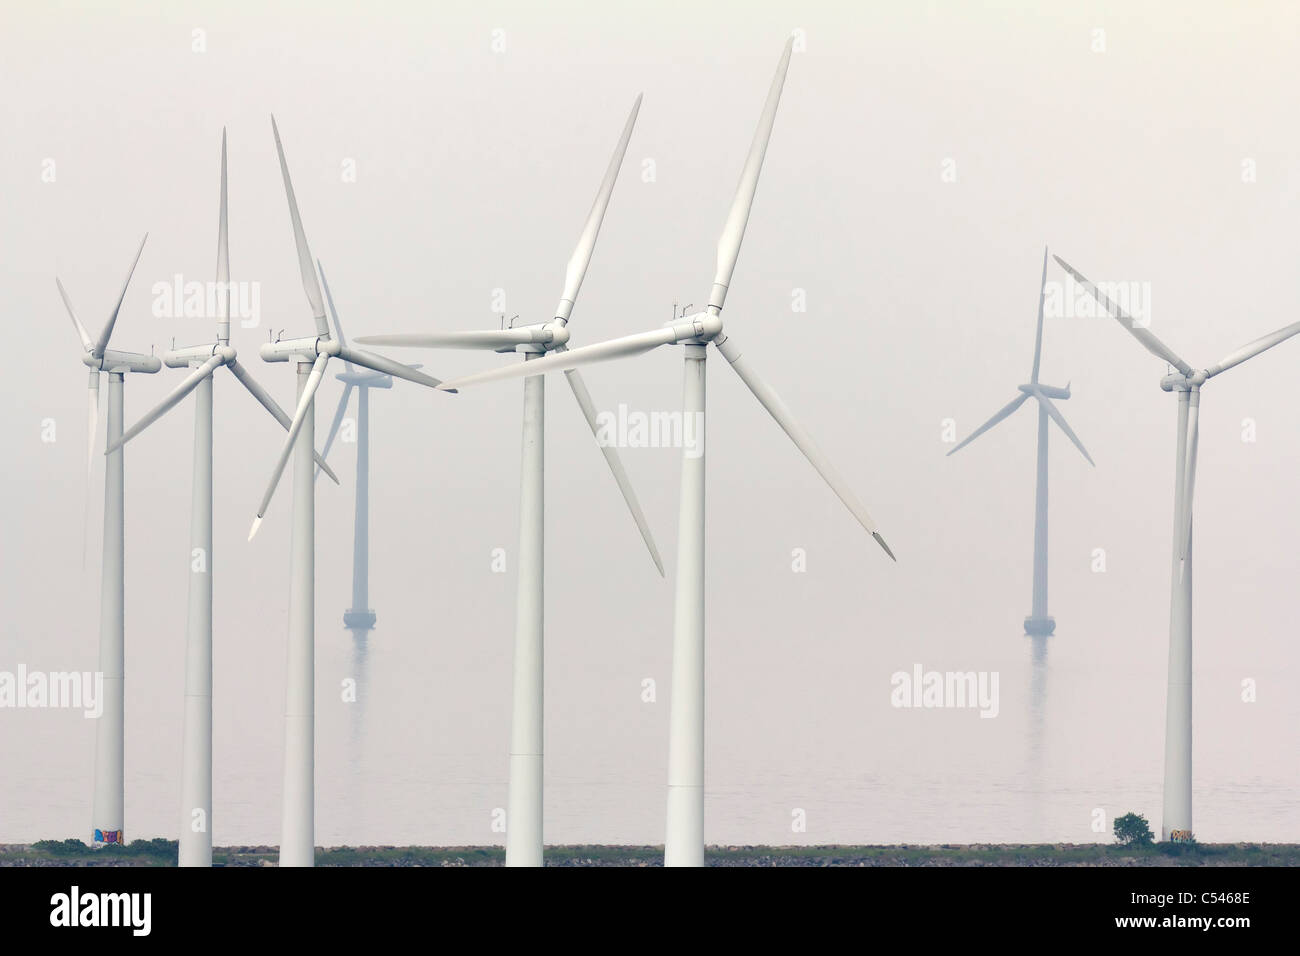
[196, 822]
[107, 824]
[1176, 822]
[1039, 623]
[684, 842]
[524, 800]
[311, 354]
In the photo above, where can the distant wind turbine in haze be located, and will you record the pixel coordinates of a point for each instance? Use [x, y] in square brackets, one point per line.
[524, 807]
[107, 811]
[360, 618]
[1176, 823]
[684, 839]
[196, 749]
[1039, 623]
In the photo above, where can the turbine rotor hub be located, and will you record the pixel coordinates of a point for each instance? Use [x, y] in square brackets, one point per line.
[1178, 382]
[546, 336]
[697, 329]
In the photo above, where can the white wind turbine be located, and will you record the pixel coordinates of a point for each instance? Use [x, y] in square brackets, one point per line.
[524, 799]
[311, 354]
[107, 824]
[684, 842]
[1176, 822]
[203, 360]
[1039, 623]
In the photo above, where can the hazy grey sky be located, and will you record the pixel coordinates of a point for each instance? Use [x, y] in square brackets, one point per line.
[474, 171]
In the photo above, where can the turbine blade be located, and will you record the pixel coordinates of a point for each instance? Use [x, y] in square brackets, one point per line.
[1057, 417]
[485, 339]
[1038, 341]
[734, 230]
[558, 361]
[338, 327]
[581, 258]
[81, 329]
[588, 407]
[300, 413]
[102, 342]
[1149, 341]
[1189, 478]
[380, 364]
[1252, 349]
[187, 385]
[259, 393]
[223, 254]
[338, 420]
[223, 231]
[778, 410]
[92, 419]
[309, 283]
[998, 416]
[271, 405]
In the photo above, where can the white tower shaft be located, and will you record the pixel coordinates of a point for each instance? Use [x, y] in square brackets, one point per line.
[361, 521]
[684, 837]
[298, 826]
[196, 747]
[107, 813]
[524, 799]
[1176, 821]
[1039, 606]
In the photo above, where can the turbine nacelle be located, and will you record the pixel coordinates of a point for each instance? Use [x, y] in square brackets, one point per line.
[698, 328]
[306, 348]
[1047, 391]
[185, 357]
[113, 361]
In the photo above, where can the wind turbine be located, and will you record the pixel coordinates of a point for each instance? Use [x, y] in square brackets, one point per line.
[1176, 822]
[107, 823]
[203, 360]
[1039, 623]
[311, 354]
[684, 843]
[360, 618]
[524, 799]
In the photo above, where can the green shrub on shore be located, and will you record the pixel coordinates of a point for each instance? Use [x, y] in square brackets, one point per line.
[1132, 829]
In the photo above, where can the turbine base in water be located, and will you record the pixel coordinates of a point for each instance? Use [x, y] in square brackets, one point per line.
[1040, 626]
[355, 620]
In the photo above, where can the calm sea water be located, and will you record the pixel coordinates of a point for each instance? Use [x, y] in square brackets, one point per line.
[1047, 769]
